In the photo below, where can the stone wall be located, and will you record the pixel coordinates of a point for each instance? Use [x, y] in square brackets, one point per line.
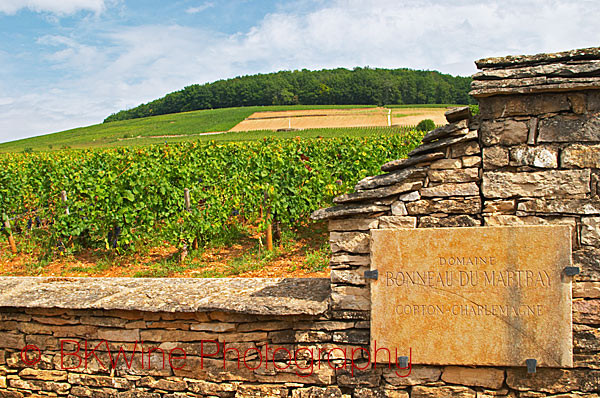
[531, 156]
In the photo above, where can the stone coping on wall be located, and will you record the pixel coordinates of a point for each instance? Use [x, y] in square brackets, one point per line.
[574, 70]
[257, 296]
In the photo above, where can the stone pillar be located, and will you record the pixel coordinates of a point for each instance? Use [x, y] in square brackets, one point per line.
[540, 132]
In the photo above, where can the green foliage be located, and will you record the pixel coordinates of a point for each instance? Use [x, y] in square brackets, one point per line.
[327, 86]
[317, 260]
[118, 198]
[474, 109]
[425, 125]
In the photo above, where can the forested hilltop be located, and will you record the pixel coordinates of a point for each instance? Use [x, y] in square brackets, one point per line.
[328, 86]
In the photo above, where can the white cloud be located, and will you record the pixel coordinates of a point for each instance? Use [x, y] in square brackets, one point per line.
[60, 7]
[129, 65]
[196, 10]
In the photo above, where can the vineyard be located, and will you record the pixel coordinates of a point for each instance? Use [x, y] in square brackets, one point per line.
[205, 125]
[119, 199]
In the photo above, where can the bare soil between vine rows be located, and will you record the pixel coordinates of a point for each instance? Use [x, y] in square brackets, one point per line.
[302, 257]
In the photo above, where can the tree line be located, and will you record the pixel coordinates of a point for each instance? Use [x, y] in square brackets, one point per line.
[304, 87]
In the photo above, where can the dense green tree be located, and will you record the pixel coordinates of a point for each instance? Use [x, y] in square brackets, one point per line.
[340, 86]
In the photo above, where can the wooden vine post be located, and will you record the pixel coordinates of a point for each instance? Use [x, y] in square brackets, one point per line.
[269, 225]
[63, 198]
[188, 207]
[11, 240]
[187, 204]
[186, 199]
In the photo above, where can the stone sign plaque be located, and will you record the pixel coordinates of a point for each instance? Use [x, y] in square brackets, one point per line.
[473, 296]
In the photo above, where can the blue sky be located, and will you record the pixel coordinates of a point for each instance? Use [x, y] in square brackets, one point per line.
[70, 63]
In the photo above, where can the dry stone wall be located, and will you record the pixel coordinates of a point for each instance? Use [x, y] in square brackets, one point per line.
[532, 156]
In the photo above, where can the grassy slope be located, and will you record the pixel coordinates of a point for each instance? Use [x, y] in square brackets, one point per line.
[187, 124]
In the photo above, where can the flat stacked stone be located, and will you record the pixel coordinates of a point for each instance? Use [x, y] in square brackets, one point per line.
[443, 149]
[526, 74]
[437, 185]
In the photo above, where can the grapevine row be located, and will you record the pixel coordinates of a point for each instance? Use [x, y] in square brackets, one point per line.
[133, 194]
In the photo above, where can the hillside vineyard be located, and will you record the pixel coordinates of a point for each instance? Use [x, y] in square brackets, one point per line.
[324, 87]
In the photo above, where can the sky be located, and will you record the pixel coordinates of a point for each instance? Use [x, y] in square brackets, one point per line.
[71, 63]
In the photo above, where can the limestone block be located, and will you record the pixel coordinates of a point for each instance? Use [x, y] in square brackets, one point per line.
[450, 221]
[499, 220]
[553, 380]
[353, 224]
[503, 184]
[452, 129]
[521, 105]
[560, 206]
[351, 298]
[411, 161]
[261, 390]
[495, 157]
[443, 143]
[347, 210]
[40, 374]
[39, 385]
[444, 164]
[317, 392]
[351, 242]
[458, 175]
[379, 193]
[351, 277]
[394, 177]
[581, 156]
[345, 378]
[504, 132]
[217, 327]
[210, 389]
[349, 259]
[587, 312]
[586, 290]
[586, 338]
[119, 334]
[590, 231]
[442, 392]
[418, 375]
[459, 113]
[397, 222]
[538, 156]
[380, 393]
[502, 393]
[482, 377]
[399, 208]
[12, 340]
[163, 384]
[467, 205]
[499, 206]
[593, 101]
[570, 128]
[466, 189]
[410, 197]
[352, 336]
[587, 258]
[465, 149]
[471, 161]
